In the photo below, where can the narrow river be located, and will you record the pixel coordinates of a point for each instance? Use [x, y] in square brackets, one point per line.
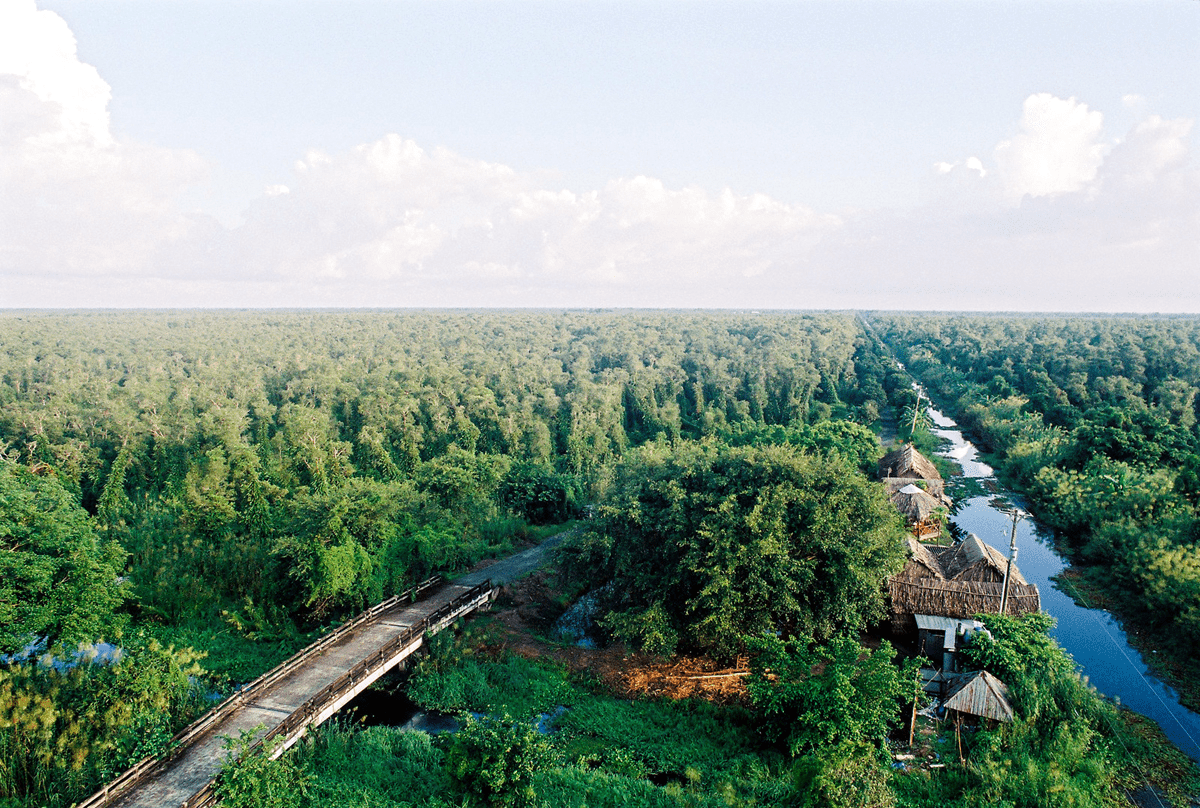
[1091, 636]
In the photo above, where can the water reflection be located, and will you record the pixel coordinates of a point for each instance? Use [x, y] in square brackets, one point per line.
[1092, 636]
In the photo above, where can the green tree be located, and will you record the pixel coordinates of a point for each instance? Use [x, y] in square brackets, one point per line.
[706, 543]
[59, 581]
[821, 696]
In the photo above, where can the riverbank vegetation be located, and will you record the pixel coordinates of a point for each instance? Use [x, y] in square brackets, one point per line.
[206, 492]
[1095, 421]
[794, 738]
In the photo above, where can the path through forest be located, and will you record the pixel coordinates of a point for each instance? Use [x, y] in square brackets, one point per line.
[516, 566]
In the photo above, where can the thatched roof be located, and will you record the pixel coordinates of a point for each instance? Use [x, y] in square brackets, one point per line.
[960, 598]
[907, 462]
[914, 503]
[960, 581]
[923, 563]
[975, 560]
[980, 693]
[935, 488]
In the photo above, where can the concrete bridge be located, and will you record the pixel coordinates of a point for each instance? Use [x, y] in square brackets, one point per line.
[301, 692]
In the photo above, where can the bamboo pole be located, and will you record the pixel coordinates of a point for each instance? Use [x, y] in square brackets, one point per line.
[912, 724]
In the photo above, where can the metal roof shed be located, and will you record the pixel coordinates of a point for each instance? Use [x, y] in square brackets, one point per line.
[979, 693]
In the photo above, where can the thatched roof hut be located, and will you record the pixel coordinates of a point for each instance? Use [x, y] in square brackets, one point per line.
[959, 598]
[935, 488]
[907, 463]
[923, 564]
[957, 582]
[915, 504]
[979, 693]
[975, 560]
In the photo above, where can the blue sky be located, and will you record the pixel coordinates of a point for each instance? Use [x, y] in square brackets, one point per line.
[914, 155]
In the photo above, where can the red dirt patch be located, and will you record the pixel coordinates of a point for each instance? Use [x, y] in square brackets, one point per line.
[528, 607]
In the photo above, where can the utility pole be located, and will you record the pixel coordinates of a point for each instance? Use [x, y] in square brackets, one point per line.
[1017, 515]
[916, 414]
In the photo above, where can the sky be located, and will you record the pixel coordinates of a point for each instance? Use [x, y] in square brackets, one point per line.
[968, 155]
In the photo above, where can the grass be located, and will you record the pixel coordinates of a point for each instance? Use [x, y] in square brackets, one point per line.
[231, 658]
[609, 751]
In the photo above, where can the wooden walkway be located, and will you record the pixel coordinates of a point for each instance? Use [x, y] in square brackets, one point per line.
[302, 692]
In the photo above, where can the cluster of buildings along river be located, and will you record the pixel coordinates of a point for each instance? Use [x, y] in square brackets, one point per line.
[943, 586]
[1093, 637]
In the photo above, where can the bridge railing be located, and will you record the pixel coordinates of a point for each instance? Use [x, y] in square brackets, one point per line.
[307, 712]
[352, 677]
[146, 767]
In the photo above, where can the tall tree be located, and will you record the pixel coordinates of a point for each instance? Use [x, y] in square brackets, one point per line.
[59, 582]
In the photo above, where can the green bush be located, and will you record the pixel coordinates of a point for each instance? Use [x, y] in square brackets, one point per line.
[840, 694]
[251, 779]
[512, 684]
[373, 766]
[494, 760]
[63, 733]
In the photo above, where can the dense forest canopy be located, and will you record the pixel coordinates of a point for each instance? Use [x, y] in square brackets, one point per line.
[320, 461]
[210, 490]
[1095, 419]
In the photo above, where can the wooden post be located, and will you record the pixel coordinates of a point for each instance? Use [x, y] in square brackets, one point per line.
[912, 724]
[958, 737]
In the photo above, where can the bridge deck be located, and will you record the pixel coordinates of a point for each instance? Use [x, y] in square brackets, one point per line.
[196, 766]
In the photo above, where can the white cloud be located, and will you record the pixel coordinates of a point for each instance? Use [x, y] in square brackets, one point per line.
[38, 50]
[1112, 226]
[1058, 149]
[76, 199]
[1134, 102]
[425, 226]
[1155, 146]
[1061, 218]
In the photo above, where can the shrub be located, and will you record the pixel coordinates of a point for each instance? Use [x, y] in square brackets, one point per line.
[495, 759]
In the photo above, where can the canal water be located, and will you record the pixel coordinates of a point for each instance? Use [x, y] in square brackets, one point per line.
[1091, 636]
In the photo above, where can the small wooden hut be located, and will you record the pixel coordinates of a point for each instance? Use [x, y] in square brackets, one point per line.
[907, 463]
[918, 508]
[975, 560]
[979, 694]
[935, 488]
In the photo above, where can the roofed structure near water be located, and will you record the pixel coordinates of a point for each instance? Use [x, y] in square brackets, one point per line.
[923, 564]
[979, 693]
[975, 560]
[914, 503]
[958, 582]
[907, 463]
[935, 488]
